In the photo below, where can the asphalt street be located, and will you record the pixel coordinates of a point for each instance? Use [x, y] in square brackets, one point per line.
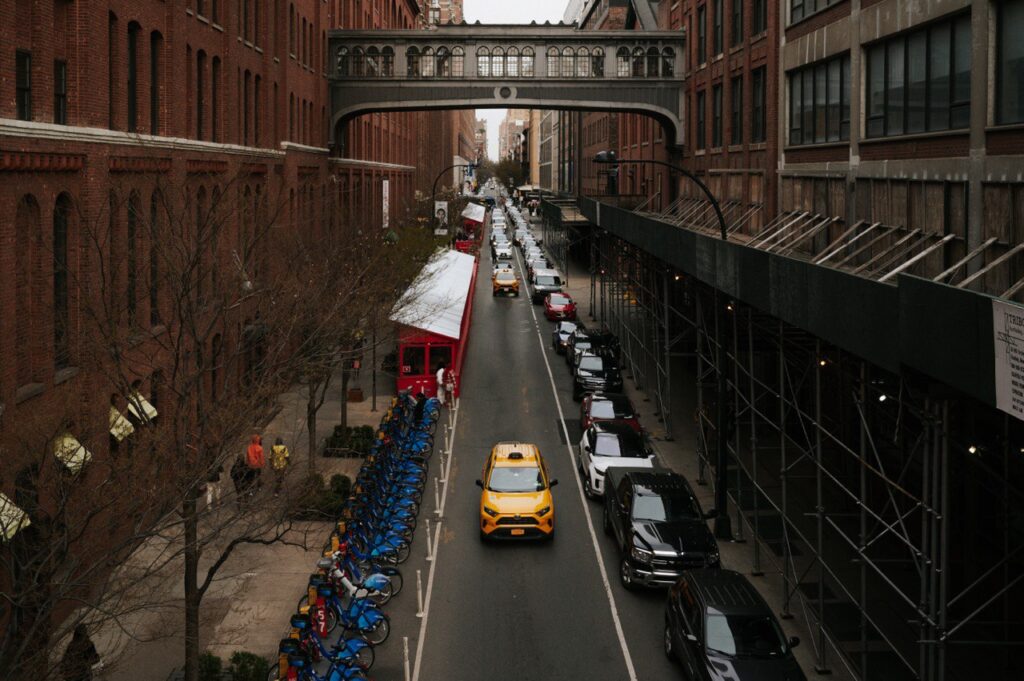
[528, 611]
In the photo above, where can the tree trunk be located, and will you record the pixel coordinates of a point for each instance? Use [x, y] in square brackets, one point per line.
[311, 411]
[192, 595]
[345, 375]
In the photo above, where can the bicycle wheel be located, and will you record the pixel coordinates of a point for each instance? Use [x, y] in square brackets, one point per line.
[383, 595]
[379, 632]
[303, 602]
[364, 657]
[404, 551]
[332, 619]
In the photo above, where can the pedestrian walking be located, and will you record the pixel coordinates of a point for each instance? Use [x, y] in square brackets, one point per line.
[240, 478]
[213, 490]
[254, 460]
[440, 383]
[80, 656]
[279, 455]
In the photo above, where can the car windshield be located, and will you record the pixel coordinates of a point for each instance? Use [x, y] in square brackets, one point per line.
[566, 328]
[610, 409]
[610, 444]
[505, 277]
[511, 479]
[548, 280]
[591, 363]
[671, 506]
[744, 635]
[559, 300]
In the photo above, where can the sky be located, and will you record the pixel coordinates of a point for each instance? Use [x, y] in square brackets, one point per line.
[508, 12]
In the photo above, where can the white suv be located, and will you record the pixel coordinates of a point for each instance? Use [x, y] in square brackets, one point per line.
[606, 444]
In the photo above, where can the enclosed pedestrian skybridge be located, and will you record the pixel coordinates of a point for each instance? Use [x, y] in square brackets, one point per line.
[477, 66]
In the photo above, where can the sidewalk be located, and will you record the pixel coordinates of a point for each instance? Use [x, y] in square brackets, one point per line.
[248, 605]
[680, 454]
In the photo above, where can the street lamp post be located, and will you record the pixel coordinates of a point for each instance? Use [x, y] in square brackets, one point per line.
[723, 524]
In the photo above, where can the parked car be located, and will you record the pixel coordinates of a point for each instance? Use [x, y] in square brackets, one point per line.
[560, 335]
[534, 264]
[716, 620]
[516, 499]
[607, 445]
[559, 306]
[544, 282]
[579, 340]
[505, 281]
[608, 407]
[594, 370]
[656, 521]
[503, 251]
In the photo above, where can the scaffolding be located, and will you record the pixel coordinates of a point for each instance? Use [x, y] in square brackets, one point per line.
[889, 506]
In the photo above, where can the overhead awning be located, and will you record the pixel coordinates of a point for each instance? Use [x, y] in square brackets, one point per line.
[71, 452]
[140, 408]
[436, 300]
[12, 518]
[474, 212]
[120, 427]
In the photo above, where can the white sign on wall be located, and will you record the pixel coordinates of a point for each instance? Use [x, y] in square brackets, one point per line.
[386, 207]
[1008, 334]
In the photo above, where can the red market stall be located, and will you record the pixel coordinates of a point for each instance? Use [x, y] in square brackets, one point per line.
[433, 318]
[469, 236]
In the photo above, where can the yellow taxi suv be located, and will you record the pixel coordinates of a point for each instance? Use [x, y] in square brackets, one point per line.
[516, 500]
[505, 281]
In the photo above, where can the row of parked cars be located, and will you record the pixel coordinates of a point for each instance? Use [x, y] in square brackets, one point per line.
[716, 624]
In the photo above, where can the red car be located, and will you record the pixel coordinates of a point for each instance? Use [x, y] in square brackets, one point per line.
[559, 306]
[608, 407]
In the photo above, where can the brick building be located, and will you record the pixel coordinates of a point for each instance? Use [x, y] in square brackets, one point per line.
[104, 101]
[910, 116]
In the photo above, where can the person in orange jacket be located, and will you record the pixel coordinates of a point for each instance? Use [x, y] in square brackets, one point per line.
[254, 460]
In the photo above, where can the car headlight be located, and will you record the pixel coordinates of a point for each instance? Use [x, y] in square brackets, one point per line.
[544, 511]
[490, 511]
[641, 555]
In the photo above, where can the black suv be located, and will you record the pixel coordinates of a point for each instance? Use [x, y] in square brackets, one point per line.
[658, 526]
[718, 626]
[595, 373]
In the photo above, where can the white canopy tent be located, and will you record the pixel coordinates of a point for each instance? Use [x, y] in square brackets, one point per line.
[437, 298]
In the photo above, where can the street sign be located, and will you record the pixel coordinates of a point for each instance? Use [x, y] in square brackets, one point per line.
[441, 231]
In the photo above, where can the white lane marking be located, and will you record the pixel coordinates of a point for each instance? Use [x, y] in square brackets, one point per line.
[583, 499]
[437, 551]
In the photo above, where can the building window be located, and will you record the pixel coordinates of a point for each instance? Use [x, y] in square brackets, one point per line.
[583, 62]
[427, 64]
[920, 81]
[112, 81]
[133, 77]
[701, 120]
[798, 9]
[60, 92]
[758, 122]
[1010, 62]
[155, 48]
[716, 116]
[702, 34]
[61, 214]
[200, 92]
[736, 31]
[819, 102]
[597, 63]
[154, 260]
[412, 59]
[387, 61]
[215, 99]
[759, 17]
[483, 62]
[717, 27]
[23, 84]
[736, 102]
[622, 62]
[653, 58]
[638, 62]
[668, 63]
[512, 62]
[554, 62]
[527, 65]
[498, 63]
[257, 95]
[568, 62]
[131, 244]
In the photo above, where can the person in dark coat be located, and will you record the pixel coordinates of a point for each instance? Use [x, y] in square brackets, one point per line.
[80, 656]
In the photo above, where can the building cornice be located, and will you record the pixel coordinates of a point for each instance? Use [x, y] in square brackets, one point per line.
[359, 163]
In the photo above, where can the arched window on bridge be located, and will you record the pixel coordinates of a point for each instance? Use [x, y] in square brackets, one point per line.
[526, 62]
[512, 62]
[387, 62]
[412, 59]
[498, 62]
[583, 63]
[668, 63]
[358, 62]
[343, 61]
[428, 62]
[638, 62]
[444, 62]
[458, 62]
[568, 62]
[373, 62]
[554, 62]
[622, 62]
[597, 63]
[653, 57]
[483, 62]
